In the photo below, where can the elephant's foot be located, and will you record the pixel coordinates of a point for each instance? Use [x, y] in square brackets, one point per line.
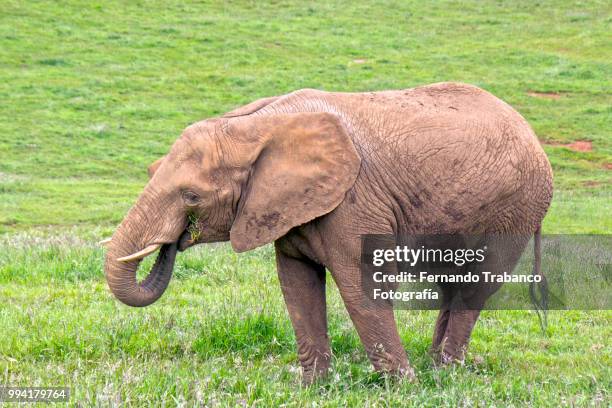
[384, 362]
[312, 374]
[315, 363]
[445, 355]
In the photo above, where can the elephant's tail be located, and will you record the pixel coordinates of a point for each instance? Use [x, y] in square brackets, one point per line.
[540, 302]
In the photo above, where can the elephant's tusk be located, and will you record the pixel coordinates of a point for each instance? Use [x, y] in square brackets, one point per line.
[105, 241]
[140, 254]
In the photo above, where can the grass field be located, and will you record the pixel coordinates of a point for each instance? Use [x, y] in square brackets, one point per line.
[92, 92]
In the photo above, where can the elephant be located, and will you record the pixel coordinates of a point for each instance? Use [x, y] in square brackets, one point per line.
[312, 172]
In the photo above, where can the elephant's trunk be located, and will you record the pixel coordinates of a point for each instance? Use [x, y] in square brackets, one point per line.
[121, 277]
[141, 228]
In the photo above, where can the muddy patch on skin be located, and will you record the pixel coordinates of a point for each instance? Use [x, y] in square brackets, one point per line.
[544, 95]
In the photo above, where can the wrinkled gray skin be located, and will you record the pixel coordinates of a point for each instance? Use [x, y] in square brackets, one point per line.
[312, 171]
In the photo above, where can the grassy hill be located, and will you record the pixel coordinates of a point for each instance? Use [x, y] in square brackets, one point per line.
[93, 92]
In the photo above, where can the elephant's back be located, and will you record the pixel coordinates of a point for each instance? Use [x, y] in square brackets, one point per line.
[453, 157]
[448, 156]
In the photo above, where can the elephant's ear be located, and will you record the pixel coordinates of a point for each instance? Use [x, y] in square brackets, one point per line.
[300, 167]
[251, 107]
[154, 166]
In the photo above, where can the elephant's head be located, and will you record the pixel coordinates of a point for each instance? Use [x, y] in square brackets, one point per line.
[246, 179]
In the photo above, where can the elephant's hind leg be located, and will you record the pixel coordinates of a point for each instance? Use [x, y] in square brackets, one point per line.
[503, 253]
[452, 331]
[442, 320]
[440, 329]
[454, 344]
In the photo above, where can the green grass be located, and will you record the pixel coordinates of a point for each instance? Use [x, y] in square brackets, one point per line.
[91, 93]
[221, 333]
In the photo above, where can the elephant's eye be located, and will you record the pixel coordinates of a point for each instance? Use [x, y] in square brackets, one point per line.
[190, 198]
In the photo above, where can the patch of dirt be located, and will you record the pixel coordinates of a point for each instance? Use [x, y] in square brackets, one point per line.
[359, 61]
[544, 95]
[577, 146]
[580, 146]
[591, 183]
[608, 166]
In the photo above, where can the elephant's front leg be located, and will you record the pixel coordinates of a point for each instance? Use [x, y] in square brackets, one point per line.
[375, 325]
[303, 286]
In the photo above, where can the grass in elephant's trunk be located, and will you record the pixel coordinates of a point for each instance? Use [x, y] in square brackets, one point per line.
[194, 232]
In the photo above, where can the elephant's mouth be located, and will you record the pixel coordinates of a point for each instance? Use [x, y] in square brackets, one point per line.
[185, 240]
